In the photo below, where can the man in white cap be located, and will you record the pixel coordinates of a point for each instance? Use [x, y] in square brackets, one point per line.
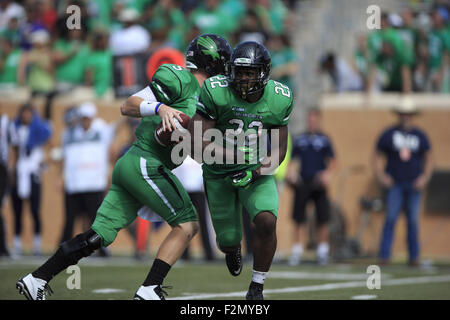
[86, 165]
[132, 38]
[406, 173]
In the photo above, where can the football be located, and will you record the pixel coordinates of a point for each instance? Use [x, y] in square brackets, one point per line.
[164, 138]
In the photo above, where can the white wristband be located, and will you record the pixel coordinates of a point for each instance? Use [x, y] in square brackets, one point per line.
[147, 108]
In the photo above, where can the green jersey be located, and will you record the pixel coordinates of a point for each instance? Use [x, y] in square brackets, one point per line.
[176, 87]
[409, 37]
[101, 64]
[281, 58]
[234, 116]
[8, 74]
[438, 44]
[71, 70]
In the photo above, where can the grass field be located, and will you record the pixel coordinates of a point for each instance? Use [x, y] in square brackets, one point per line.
[118, 278]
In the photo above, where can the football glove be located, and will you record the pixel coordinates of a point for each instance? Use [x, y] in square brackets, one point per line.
[242, 179]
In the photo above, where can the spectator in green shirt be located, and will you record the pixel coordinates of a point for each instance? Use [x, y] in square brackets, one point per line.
[12, 31]
[272, 12]
[284, 60]
[375, 38]
[100, 13]
[99, 64]
[167, 24]
[210, 18]
[251, 29]
[361, 58]
[70, 56]
[9, 63]
[394, 65]
[409, 35]
[390, 66]
[438, 49]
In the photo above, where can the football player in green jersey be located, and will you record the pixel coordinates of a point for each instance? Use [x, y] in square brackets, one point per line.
[142, 177]
[244, 101]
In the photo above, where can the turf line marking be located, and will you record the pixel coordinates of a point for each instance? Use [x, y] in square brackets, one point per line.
[320, 275]
[108, 290]
[364, 297]
[321, 287]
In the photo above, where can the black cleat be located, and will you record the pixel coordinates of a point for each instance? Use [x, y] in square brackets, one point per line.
[255, 292]
[234, 262]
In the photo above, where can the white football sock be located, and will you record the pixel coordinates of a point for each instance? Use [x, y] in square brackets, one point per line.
[297, 249]
[17, 245]
[323, 249]
[296, 254]
[259, 276]
[37, 244]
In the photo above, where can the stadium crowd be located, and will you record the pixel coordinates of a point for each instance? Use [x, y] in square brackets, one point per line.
[409, 53]
[39, 52]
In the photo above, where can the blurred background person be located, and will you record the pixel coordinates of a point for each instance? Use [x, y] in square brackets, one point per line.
[69, 54]
[167, 24]
[272, 14]
[309, 173]
[361, 59]
[389, 57]
[36, 68]
[99, 64]
[9, 63]
[12, 32]
[8, 10]
[408, 168]
[438, 50]
[284, 60]
[31, 24]
[343, 77]
[251, 29]
[30, 134]
[191, 177]
[131, 38]
[71, 120]
[394, 68]
[409, 35]
[5, 140]
[86, 156]
[214, 16]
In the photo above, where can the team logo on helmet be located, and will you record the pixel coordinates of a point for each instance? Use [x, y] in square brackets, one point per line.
[210, 47]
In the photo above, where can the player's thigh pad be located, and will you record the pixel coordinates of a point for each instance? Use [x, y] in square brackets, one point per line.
[260, 196]
[226, 211]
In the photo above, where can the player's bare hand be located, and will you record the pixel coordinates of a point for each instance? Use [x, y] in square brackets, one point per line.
[167, 114]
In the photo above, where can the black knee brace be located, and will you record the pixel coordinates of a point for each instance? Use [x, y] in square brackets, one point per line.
[83, 245]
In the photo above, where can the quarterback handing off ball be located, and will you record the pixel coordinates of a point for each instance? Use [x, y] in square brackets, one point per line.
[164, 138]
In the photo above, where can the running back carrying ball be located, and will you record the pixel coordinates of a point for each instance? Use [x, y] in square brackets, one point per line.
[164, 138]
